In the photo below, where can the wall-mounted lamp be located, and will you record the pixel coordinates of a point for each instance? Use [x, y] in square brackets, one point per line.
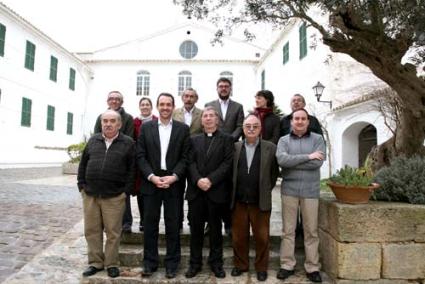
[318, 91]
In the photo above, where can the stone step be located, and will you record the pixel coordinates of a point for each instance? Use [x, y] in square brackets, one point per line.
[132, 255]
[138, 237]
[133, 276]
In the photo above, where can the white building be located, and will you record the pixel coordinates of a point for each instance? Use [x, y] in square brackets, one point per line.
[43, 90]
[170, 61]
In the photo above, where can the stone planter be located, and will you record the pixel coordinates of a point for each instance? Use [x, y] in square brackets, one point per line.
[70, 168]
[352, 194]
[378, 242]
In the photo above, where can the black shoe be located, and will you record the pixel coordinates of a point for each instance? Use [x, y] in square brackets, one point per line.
[314, 276]
[262, 275]
[228, 232]
[192, 271]
[237, 272]
[148, 271]
[170, 273]
[126, 228]
[113, 272]
[218, 272]
[282, 274]
[91, 270]
[141, 228]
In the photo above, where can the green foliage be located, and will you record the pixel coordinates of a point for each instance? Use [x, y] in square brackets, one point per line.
[352, 176]
[403, 180]
[75, 151]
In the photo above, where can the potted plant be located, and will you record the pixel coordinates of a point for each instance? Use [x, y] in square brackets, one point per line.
[74, 151]
[352, 185]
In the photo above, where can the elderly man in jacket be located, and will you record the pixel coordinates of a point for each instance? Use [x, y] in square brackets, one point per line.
[255, 171]
[105, 175]
[300, 154]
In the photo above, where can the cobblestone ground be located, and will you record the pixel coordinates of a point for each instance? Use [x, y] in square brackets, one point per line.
[37, 205]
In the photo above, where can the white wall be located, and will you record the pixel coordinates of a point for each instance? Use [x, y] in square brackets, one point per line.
[17, 82]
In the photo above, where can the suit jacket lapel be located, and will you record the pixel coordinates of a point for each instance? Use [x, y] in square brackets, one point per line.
[218, 108]
[196, 115]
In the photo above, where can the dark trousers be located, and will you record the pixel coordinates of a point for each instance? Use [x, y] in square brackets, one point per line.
[202, 210]
[127, 218]
[152, 213]
[243, 216]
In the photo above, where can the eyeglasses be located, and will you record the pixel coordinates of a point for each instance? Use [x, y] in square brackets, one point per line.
[251, 126]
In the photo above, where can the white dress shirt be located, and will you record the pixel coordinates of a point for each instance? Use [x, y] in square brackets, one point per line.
[164, 137]
[224, 105]
[188, 116]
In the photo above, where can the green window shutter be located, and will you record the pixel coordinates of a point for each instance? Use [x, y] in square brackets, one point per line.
[286, 53]
[263, 80]
[50, 118]
[30, 56]
[53, 68]
[26, 112]
[71, 79]
[303, 41]
[69, 123]
[2, 39]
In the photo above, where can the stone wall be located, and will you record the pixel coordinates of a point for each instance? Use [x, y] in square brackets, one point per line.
[379, 242]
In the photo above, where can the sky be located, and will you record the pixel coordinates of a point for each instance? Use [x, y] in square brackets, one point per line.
[88, 25]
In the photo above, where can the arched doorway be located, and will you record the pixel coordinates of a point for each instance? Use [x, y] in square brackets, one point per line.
[357, 141]
[367, 139]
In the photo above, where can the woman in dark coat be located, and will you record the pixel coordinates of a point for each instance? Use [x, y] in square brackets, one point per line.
[270, 122]
[145, 107]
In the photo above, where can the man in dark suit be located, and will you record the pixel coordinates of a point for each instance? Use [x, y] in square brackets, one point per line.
[255, 172]
[230, 112]
[230, 121]
[208, 191]
[162, 156]
[298, 102]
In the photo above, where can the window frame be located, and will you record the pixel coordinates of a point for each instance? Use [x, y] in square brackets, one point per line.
[71, 84]
[188, 49]
[303, 40]
[50, 121]
[143, 83]
[30, 55]
[2, 39]
[285, 53]
[184, 81]
[69, 123]
[26, 112]
[53, 76]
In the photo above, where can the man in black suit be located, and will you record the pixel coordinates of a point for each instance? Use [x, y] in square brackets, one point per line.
[208, 191]
[162, 156]
[231, 117]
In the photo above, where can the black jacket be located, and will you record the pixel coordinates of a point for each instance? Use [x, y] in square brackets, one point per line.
[314, 126]
[214, 163]
[127, 125]
[107, 172]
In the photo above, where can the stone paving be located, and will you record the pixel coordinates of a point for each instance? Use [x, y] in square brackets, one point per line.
[37, 206]
[41, 233]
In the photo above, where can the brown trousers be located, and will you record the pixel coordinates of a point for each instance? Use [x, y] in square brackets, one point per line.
[103, 214]
[243, 216]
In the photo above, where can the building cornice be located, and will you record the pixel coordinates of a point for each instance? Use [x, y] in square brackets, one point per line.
[177, 61]
[19, 19]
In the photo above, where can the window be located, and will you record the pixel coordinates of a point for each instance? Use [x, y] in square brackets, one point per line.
[185, 81]
[2, 39]
[286, 53]
[69, 123]
[228, 75]
[26, 112]
[263, 80]
[30, 56]
[53, 68]
[50, 118]
[143, 83]
[71, 79]
[188, 49]
[303, 41]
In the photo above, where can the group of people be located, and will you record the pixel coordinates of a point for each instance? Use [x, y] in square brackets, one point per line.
[224, 164]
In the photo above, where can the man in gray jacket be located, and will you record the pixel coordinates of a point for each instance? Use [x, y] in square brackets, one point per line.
[300, 154]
